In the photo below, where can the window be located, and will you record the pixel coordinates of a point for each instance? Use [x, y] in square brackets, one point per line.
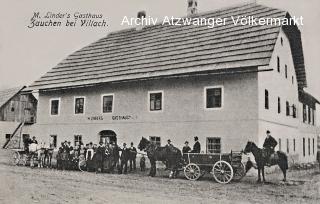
[304, 113]
[107, 103]
[294, 145]
[304, 146]
[288, 146]
[12, 106]
[213, 97]
[294, 111]
[77, 140]
[213, 145]
[8, 136]
[79, 105]
[286, 71]
[279, 144]
[309, 115]
[313, 118]
[287, 108]
[266, 99]
[190, 4]
[54, 106]
[156, 140]
[281, 39]
[53, 141]
[279, 105]
[278, 64]
[155, 101]
[309, 146]
[313, 146]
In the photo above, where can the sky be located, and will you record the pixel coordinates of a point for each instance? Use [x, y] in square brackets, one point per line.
[26, 54]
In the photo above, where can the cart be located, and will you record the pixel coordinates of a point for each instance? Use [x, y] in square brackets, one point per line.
[21, 157]
[223, 167]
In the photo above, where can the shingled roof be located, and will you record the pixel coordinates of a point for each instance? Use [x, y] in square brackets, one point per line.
[164, 50]
[7, 94]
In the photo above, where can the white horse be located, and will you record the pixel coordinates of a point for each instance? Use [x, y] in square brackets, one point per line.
[37, 150]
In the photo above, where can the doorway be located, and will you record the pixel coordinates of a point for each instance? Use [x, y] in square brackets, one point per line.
[108, 136]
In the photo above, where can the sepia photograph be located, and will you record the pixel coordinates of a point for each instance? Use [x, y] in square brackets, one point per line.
[139, 101]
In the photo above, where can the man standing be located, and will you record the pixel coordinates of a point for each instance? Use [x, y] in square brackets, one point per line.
[186, 148]
[196, 146]
[100, 157]
[269, 144]
[124, 159]
[132, 158]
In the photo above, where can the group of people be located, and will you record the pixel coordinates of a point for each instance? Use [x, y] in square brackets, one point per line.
[186, 148]
[100, 157]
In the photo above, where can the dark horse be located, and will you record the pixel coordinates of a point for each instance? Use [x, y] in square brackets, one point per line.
[280, 159]
[170, 155]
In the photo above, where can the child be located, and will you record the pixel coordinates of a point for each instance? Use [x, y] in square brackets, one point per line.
[142, 163]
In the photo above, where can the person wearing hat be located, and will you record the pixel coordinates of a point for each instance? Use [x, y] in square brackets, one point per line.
[124, 159]
[132, 158]
[196, 146]
[269, 144]
[186, 148]
[99, 157]
[34, 140]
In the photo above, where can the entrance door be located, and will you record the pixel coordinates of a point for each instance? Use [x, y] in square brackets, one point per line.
[107, 136]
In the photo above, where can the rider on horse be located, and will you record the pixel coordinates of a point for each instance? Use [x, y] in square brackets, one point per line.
[269, 144]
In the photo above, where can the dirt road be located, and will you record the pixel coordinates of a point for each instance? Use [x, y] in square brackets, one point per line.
[26, 185]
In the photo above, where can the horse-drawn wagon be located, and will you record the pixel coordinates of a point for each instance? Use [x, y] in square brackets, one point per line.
[35, 154]
[223, 167]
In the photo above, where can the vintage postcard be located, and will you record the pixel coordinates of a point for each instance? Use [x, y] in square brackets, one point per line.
[139, 101]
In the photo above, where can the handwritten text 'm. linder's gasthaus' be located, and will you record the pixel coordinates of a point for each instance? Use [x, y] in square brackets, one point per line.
[76, 19]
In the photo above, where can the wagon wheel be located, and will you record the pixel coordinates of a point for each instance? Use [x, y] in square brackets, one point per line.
[15, 158]
[222, 172]
[192, 172]
[82, 165]
[239, 172]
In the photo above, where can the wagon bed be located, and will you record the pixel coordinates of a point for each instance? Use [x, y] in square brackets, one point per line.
[224, 167]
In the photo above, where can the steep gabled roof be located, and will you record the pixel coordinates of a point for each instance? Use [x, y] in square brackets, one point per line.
[164, 50]
[7, 94]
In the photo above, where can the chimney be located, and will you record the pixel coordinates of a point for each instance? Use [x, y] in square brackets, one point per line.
[192, 7]
[141, 15]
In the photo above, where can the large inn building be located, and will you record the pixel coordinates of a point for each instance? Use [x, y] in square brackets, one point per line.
[226, 85]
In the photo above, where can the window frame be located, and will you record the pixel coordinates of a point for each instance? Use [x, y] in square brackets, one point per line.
[155, 137]
[207, 144]
[287, 108]
[74, 105]
[74, 139]
[205, 97]
[113, 102]
[286, 71]
[278, 64]
[162, 101]
[56, 138]
[266, 99]
[50, 106]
